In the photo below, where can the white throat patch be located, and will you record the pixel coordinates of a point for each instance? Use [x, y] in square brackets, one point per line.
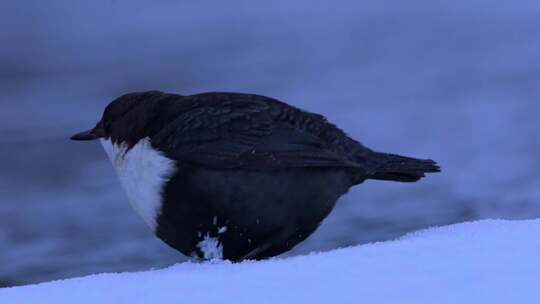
[143, 172]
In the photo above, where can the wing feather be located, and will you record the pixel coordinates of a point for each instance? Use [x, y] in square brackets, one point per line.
[249, 132]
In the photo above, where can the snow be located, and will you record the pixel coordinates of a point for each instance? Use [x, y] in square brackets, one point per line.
[211, 248]
[489, 261]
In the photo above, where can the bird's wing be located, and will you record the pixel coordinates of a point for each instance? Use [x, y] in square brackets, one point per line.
[249, 132]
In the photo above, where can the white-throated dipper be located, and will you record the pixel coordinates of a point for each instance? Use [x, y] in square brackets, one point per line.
[235, 176]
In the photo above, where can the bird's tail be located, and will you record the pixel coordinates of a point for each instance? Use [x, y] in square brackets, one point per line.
[394, 167]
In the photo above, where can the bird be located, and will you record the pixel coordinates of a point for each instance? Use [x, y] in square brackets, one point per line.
[234, 176]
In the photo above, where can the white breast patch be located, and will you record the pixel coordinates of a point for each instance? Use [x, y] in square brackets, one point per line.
[143, 172]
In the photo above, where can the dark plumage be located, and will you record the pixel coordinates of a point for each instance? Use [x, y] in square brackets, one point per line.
[266, 171]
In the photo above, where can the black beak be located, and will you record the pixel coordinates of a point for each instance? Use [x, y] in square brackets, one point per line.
[95, 133]
[86, 135]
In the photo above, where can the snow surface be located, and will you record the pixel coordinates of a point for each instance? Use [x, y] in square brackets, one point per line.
[490, 261]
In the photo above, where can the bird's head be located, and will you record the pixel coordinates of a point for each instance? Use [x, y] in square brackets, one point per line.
[125, 119]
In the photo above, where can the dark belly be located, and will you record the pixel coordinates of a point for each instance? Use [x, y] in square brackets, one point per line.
[252, 214]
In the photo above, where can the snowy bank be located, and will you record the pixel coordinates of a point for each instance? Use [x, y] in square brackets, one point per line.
[490, 261]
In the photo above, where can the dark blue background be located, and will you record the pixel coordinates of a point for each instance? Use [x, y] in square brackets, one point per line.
[456, 81]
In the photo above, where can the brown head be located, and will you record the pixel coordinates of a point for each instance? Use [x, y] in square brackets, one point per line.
[126, 118]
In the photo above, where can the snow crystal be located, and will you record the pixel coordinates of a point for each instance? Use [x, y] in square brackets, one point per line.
[211, 248]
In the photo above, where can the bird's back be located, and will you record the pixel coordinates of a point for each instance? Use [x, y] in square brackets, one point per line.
[253, 132]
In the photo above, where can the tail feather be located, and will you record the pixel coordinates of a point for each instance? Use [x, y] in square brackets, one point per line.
[400, 168]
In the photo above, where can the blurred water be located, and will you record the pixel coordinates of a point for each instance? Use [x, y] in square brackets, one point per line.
[456, 81]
